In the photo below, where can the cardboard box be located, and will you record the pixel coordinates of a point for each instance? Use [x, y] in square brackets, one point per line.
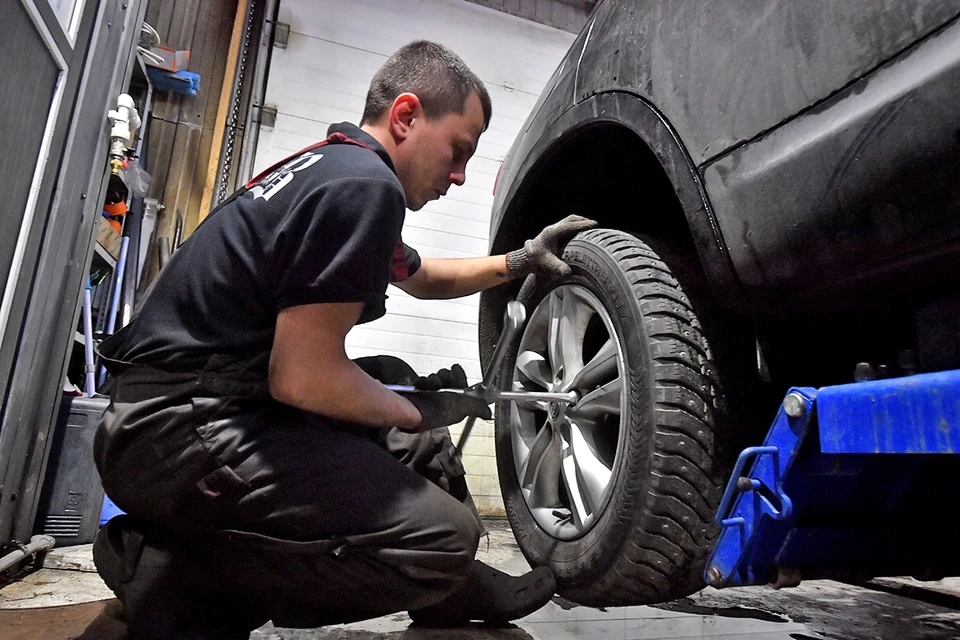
[108, 238]
[172, 59]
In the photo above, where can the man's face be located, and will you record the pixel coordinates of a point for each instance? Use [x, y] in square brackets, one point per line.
[435, 154]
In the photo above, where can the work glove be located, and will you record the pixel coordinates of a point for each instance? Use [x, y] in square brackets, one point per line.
[541, 255]
[453, 378]
[441, 409]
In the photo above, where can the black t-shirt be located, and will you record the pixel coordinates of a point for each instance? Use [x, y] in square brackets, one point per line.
[323, 226]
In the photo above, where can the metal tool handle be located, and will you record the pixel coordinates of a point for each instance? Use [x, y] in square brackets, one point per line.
[462, 440]
[513, 319]
[569, 397]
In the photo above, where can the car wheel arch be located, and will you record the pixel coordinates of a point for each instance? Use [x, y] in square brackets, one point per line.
[606, 141]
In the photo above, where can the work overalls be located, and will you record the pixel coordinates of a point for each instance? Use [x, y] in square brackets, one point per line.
[242, 509]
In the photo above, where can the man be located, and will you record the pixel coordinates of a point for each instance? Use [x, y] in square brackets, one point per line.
[266, 475]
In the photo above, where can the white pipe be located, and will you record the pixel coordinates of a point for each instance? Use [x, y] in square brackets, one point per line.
[36, 545]
[124, 120]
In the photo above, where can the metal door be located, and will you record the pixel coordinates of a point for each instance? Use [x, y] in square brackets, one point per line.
[64, 62]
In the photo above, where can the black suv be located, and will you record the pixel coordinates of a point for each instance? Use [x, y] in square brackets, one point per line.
[777, 185]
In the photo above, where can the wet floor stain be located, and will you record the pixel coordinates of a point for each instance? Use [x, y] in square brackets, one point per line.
[397, 627]
[676, 621]
[685, 605]
[565, 620]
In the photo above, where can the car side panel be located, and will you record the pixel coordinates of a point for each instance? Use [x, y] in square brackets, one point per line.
[865, 186]
[724, 71]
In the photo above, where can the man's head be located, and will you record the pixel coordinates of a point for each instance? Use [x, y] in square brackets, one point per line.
[428, 110]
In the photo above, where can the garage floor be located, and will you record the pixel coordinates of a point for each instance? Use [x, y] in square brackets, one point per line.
[66, 600]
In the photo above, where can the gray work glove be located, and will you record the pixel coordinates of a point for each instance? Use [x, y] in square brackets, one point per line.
[440, 409]
[542, 254]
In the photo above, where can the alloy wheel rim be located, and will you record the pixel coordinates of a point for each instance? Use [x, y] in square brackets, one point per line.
[566, 456]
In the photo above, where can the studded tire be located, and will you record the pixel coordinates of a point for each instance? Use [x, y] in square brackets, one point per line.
[630, 519]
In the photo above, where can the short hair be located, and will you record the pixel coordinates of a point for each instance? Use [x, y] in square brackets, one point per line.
[434, 73]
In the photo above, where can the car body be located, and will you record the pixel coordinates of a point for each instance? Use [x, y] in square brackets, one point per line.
[795, 164]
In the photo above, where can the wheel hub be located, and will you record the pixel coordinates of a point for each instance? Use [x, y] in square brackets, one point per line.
[557, 409]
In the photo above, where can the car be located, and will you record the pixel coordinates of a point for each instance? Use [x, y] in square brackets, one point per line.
[777, 190]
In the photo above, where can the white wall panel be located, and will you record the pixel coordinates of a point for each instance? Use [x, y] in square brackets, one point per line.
[334, 48]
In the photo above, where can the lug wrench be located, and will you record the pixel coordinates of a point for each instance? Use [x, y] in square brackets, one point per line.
[513, 320]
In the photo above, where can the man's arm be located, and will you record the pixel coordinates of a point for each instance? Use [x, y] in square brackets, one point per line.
[456, 277]
[310, 370]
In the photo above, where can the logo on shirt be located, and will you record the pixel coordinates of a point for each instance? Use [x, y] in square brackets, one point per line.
[273, 183]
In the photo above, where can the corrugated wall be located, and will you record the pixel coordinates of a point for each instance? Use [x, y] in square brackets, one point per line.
[182, 127]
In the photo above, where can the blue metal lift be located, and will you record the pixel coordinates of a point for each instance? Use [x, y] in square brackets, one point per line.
[853, 481]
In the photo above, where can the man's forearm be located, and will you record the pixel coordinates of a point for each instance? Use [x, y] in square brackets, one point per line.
[349, 394]
[310, 370]
[456, 277]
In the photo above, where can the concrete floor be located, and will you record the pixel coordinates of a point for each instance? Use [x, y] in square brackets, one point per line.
[65, 600]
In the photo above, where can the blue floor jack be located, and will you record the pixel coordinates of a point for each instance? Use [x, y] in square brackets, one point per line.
[854, 481]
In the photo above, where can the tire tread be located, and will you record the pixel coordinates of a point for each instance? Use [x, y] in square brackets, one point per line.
[683, 489]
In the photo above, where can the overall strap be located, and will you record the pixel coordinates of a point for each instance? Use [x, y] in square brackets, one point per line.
[333, 138]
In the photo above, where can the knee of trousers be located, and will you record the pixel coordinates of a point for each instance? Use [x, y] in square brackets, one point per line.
[448, 542]
[468, 535]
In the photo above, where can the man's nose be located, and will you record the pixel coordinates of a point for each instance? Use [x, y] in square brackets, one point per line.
[458, 177]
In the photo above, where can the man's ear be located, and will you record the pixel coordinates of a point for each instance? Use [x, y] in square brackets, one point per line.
[404, 112]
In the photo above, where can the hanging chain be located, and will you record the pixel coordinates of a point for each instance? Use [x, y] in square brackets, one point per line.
[224, 187]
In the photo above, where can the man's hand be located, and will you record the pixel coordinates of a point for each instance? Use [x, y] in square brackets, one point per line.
[453, 378]
[440, 409]
[541, 255]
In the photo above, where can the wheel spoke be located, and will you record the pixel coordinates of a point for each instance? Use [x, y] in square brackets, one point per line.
[533, 367]
[571, 479]
[540, 471]
[604, 400]
[554, 330]
[569, 315]
[601, 368]
[593, 474]
[532, 405]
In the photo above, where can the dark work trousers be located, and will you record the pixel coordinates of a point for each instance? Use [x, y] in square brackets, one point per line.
[242, 509]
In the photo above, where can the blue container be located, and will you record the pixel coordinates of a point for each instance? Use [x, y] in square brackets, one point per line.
[109, 511]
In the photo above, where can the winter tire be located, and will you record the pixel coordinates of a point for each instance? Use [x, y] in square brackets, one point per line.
[616, 492]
